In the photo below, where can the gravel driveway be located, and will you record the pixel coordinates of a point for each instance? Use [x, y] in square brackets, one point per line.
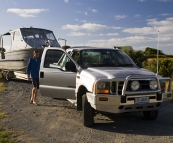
[58, 121]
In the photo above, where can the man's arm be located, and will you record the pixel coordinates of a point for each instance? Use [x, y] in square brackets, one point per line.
[28, 69]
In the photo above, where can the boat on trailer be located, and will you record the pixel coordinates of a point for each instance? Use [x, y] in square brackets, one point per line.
[23, 42]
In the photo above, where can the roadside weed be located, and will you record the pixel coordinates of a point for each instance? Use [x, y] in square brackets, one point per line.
[2, 88]
[2, 115]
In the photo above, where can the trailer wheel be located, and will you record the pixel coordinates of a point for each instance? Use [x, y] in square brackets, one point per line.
[7, 77]
[150, 115]
[88, 112]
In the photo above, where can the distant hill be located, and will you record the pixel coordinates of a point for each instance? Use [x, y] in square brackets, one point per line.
[124, 47]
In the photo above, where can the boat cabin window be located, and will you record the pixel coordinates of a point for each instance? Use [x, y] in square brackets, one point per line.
[49, 35]
[27, 33]
[38, 33]
[17, 36]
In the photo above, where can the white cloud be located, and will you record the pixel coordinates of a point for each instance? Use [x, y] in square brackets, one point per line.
[101, 34]
[66, 1]
[132, 40]
[85, 13]
[140, 37]
[108, 34]
[137, 15]
[117, 17]
[112, 34]
[85, 26]
[164, 0]
[115, 28]
[165, 14]
[26, 12]
[164, 26]
[78, 34]
[93, 10]
[141, 0]
[81, 20]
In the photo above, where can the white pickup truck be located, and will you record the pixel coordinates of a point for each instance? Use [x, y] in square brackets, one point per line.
[102, 80]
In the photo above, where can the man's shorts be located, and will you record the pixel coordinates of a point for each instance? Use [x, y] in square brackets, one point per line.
[35, 82]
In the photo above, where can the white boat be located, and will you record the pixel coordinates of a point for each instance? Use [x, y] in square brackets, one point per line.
[23, 42]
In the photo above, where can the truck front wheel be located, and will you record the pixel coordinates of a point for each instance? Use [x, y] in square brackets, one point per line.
[88, 112]
[150, 115]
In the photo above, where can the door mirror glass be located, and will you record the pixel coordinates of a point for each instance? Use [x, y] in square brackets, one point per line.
[70, 66]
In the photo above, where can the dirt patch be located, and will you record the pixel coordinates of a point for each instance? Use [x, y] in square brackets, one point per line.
[58, 121]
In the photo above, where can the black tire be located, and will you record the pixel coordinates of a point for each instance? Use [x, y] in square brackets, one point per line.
[79, 102]
[150, 115]
[88, 112]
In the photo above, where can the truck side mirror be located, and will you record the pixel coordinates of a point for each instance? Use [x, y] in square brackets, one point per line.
[70, 66]
[139, 64]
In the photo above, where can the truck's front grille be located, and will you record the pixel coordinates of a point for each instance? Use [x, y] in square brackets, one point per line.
[144, 85]
[117, 86]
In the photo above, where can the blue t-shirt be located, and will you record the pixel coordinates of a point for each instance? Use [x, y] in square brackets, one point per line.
[33, 67]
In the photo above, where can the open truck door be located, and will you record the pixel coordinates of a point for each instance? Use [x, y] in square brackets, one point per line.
[57, 74]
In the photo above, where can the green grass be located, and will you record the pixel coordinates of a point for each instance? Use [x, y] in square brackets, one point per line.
[5, 135]
[2, 115]
[2, 88]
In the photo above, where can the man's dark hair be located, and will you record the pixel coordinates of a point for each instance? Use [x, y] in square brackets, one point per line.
[35, 51]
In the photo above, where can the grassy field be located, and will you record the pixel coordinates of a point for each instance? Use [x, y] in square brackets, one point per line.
[2, 88]
[151, 59]
[5, 135]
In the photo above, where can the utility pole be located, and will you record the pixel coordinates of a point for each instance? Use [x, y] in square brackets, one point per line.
[158, 55]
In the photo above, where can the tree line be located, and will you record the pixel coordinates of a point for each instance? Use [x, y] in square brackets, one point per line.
[148, 58]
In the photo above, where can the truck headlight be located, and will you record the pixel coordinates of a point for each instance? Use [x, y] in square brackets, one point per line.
[135, 85]
[103, 88]
[153, 84]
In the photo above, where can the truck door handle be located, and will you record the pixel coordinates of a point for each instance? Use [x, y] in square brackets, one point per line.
[41, 74]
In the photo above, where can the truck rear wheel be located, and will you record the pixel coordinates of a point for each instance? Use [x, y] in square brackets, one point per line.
[150, 115]
[88, 112]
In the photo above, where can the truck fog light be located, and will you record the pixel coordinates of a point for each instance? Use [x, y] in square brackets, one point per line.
[153, 84]
[135, 85]
[103, 99]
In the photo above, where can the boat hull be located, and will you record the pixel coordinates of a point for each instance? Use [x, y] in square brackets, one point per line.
[17, 60]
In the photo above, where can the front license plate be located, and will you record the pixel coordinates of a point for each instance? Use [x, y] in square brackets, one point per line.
[142, 100]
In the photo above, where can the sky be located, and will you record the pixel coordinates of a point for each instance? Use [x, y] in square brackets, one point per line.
[100, 23]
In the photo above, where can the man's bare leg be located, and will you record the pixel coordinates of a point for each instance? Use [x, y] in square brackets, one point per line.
[31, 100]
[34, 96]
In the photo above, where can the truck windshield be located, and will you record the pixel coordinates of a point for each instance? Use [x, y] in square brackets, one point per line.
[105, 58]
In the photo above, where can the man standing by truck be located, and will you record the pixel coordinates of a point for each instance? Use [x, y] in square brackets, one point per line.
[32, 71]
